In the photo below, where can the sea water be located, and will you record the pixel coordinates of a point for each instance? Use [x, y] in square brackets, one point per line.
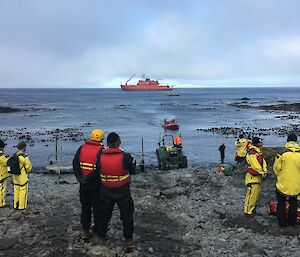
[137, 115]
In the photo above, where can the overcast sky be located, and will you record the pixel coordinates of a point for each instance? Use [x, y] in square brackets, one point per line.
[94, 43]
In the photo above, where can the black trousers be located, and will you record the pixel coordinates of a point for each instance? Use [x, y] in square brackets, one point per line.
[240, 159]
[89, 199]
[108, 198]
[292, 212]
[222, 156]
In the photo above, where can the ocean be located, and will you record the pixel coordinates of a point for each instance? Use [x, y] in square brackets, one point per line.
[137, 115]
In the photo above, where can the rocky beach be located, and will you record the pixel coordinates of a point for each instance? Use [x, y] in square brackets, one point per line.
[187, 212]
[192, 212]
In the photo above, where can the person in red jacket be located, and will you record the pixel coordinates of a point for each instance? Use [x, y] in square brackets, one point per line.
[84, 167]
[115, 168]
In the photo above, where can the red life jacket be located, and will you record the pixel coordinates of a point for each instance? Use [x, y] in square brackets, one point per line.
[88, 156]
[113, 173]
[259, 158]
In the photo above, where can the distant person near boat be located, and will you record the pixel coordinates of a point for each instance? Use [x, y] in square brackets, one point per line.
[178, 141]
[172, 124]
[222, 151]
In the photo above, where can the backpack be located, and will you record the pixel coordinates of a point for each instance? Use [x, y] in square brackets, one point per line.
[14, 167]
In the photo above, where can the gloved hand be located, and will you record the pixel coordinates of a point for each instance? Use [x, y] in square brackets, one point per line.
[82, 180]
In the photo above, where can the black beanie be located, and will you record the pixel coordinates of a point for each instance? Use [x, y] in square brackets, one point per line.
[256, 140]
[113, 139]
[21, 145]
[2, 144]
[292, 137]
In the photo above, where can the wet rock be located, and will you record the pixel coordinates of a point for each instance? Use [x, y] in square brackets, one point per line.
[173, 192]
[7, 243]
[101, 251]
[17, 215]
[4, 109]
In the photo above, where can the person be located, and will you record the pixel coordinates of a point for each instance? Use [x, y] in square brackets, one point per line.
[116, 168]
[178, 141]
[3, 174]
[222, 151]
[287, 170]
[242, 144]
[84, 168]
[21, 181]
[257, 170]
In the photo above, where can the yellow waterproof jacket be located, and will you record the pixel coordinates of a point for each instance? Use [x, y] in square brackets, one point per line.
[253, 163]
[3, 166]
[241, 146]
[25, 167]
[287, 169]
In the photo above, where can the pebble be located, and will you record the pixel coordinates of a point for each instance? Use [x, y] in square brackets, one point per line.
[295, 241]
[150, 250]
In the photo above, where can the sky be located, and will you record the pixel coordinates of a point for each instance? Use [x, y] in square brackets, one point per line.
[189, 43]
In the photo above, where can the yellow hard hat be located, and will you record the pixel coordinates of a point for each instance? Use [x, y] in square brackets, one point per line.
[97, 135]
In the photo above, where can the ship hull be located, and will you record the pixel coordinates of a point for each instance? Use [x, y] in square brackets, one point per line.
[145, 88]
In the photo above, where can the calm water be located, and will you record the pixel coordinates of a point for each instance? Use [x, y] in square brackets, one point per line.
[194, 108]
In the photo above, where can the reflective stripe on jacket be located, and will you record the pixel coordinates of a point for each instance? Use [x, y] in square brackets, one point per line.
[25, 167]
[287, 169]
[88, 157]
[112, 170]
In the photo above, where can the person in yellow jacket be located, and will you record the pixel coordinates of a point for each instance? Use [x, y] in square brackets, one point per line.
[3, 174]
[287, 170]
[242, 145]
[21, 181]
[257, 170]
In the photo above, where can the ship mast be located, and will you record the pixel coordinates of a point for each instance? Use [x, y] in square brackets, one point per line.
[129, 79]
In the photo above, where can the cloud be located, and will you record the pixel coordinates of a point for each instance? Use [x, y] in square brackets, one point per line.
[287, 48]
[93, 43]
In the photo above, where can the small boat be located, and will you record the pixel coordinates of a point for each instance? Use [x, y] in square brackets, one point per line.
[174, 94]
[172, 125]
[145, 85]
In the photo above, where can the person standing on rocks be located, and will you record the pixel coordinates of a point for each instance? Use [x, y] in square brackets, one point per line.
[84, 168]
[257, 170]
[241, 149]
[116, 168]
[21, 181]
[222, 151]
[3, 174]
[287, 170]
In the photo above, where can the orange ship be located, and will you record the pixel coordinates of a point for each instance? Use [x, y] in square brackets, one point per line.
[145, 85]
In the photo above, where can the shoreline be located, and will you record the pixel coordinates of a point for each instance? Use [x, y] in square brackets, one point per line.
[187, 212]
